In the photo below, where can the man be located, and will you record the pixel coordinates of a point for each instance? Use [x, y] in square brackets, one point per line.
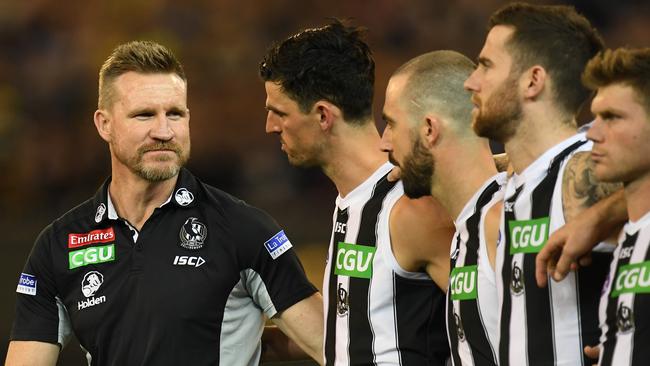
[526, 90]
[428, 118]
[381, 305]
[621, 153]
[158, 267]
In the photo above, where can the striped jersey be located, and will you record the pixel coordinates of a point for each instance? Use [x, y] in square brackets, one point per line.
[624, 317]
[472, 301]
[376, 313]
[551, 325]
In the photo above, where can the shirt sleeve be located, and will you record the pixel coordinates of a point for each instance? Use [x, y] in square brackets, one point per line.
[277, 279]
[40, 316]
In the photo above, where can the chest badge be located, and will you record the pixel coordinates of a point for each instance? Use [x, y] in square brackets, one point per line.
[193, 234]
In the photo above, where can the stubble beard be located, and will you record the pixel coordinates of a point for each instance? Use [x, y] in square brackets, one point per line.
[500, 116]
[157, 173]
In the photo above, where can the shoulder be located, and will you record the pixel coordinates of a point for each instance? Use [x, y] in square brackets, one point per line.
[419, 220]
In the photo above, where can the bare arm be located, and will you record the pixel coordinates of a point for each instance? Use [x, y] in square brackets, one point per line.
[303, 324]
[32, 353]
[421, 232]
[593, 213]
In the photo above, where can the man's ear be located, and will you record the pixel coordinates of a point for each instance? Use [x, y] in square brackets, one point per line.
[430, 130]
[103, 124]
[327, 113]
[535, 80]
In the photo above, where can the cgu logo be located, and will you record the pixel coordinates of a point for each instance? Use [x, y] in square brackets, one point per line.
[462, 283]
[528, 236]
[354, 260]
[632, 278]
[93, 255]
[184, 260]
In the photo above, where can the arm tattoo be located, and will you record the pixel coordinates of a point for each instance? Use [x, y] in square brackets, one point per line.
[580, 188]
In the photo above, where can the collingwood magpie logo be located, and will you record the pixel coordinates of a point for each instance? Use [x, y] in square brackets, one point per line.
[192, 234]
[459, 327]
[517, 282]
[342, 305]
[624, 319]
[99, 214]
[90, 284]
[183, 197]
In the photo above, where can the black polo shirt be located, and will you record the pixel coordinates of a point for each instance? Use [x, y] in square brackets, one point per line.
[190, 288]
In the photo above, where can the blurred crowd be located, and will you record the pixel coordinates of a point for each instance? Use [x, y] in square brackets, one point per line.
[51, 52]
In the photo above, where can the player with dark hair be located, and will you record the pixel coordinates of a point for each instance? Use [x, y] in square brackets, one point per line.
[388, 259]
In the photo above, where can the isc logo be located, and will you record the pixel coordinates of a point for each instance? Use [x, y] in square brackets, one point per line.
[632, 278]
[184, 260]
[354, 260]
[462, 283]
[339, 228]
[528, 236]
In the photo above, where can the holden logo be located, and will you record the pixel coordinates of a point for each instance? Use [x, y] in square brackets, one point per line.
[193, 234]
[183, 197]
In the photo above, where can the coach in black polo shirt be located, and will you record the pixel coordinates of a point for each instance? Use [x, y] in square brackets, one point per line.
[158, 268]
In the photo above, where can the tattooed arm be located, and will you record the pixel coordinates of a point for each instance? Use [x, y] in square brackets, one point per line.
[580, 189]
[593, 211]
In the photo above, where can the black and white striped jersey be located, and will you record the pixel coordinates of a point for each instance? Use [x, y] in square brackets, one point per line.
[624, 316]
[376, 313]
[551, 325]
[472, 301]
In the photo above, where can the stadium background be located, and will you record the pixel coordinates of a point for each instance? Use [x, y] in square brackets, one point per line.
[50, 52]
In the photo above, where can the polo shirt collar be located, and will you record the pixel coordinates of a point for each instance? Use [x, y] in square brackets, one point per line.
[184, 195]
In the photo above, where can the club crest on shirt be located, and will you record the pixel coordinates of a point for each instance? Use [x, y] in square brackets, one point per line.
[517, 280]
[459, 327]
[99, 214]
[183, 197]
[342, 304]
[624, 319]
[193, 234]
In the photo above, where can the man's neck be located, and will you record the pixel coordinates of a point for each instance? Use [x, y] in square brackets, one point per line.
[354, 155]
[636, 195]
[453, 189]
[538, 131]
[135, 199]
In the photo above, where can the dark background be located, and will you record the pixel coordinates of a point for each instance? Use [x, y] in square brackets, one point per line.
[50, 53]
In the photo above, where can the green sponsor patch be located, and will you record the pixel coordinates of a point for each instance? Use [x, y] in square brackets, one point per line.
[462, 283]
[632, 278]
[354, 260]
[92, 255]
[528, 236]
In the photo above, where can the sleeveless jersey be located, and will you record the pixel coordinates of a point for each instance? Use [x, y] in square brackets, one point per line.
[551, 325]
[376, 313]
[625, 322]
[472, 302]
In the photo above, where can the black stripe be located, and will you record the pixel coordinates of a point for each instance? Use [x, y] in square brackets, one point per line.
[470, 316]
[612, 305]
[330, 340]
[640, 349]
[506, 274]
[452, 319]
[590, 285]
[361, 336]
